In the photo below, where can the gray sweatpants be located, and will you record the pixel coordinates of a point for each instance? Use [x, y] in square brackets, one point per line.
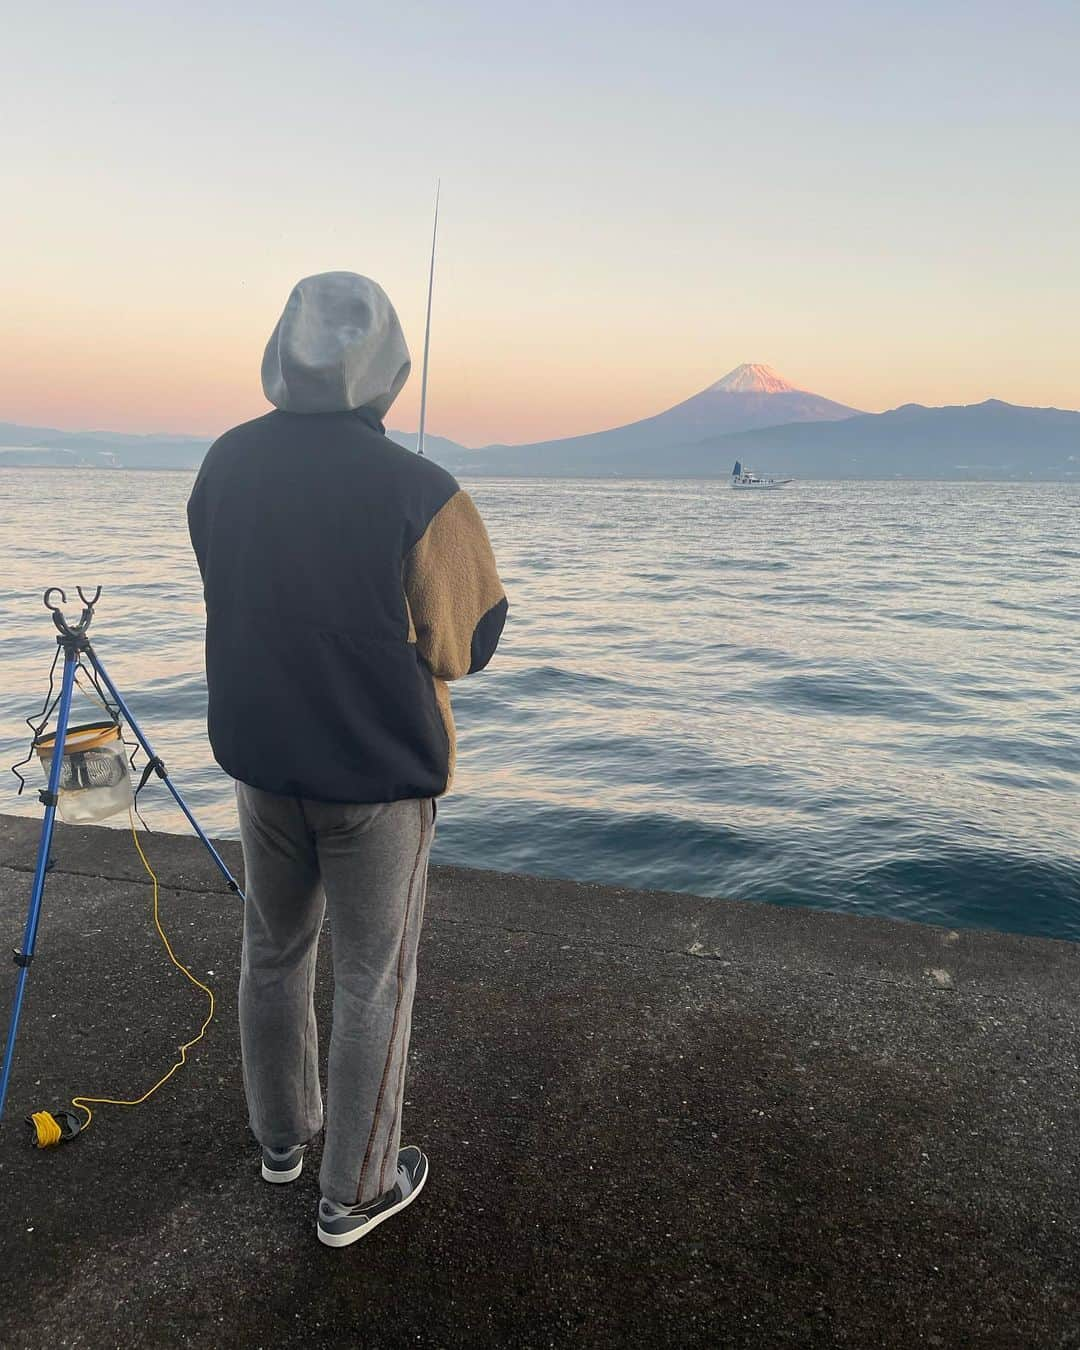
[368, 864]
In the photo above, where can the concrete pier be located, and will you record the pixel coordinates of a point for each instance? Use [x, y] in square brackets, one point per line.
[652, 1120]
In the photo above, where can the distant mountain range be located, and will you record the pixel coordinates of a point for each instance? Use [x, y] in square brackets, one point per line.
[749, 397]
[24, 445]
[991, 440]
[752, 414]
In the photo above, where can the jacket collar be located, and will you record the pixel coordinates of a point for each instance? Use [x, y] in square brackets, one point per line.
[370, 418]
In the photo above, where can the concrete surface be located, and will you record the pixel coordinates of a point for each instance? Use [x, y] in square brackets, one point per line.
[652, 1120]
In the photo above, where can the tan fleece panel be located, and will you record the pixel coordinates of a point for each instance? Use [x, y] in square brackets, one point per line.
[450, 583]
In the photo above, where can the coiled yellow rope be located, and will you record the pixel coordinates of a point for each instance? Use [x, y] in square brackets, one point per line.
[47, 1131]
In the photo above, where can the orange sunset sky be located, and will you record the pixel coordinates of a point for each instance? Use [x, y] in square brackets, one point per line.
[877, 201]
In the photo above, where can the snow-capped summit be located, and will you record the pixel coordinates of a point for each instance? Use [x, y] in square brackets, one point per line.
[752, 379]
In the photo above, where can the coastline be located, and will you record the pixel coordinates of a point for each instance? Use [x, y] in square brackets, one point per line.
[721, 476]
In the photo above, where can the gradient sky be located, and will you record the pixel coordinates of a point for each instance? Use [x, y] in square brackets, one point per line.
[881, 200]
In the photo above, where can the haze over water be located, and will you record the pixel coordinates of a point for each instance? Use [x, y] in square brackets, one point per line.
[860, 697]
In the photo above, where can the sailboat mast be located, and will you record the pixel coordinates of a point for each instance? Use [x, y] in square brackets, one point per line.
[427, 326]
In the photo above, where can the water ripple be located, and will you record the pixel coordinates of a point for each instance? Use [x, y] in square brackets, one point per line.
[862, 697]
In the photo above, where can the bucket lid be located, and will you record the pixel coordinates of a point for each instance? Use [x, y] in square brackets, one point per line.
[90, 736]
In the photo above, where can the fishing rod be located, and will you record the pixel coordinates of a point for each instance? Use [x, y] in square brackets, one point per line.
[427, 327]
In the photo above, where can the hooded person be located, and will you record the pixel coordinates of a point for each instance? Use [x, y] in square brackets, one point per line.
[346, 580]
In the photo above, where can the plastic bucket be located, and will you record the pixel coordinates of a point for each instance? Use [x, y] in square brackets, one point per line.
[95, 777]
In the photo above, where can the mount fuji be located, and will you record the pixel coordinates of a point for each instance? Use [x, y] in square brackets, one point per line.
[748, 397]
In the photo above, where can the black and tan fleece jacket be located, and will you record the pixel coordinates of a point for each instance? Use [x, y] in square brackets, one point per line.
[346, 581]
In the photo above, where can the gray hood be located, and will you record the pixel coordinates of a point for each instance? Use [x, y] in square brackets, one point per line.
[337, 346]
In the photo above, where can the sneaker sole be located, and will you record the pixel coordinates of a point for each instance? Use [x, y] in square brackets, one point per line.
[279, 1178]
[346, 1239]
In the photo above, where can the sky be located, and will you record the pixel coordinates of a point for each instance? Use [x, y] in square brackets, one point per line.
[880, 200]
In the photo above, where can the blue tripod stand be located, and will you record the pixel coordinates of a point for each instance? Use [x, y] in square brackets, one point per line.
[75, 647]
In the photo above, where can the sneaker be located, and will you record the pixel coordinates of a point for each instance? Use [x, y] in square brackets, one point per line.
[339, 1224]
[282, 1164]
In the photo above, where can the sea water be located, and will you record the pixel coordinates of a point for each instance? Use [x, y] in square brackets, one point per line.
[857, 696]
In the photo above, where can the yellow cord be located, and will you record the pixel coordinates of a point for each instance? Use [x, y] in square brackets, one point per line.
[46, 1130]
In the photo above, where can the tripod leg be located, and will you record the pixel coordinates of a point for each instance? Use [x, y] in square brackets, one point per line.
[160, 768]
[25, 954]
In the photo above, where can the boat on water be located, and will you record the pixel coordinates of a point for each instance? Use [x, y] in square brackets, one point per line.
[748, 479]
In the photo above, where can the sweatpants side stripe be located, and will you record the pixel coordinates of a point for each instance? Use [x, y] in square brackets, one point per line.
[393, 1113]
[397, 1009]
[419, 919]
